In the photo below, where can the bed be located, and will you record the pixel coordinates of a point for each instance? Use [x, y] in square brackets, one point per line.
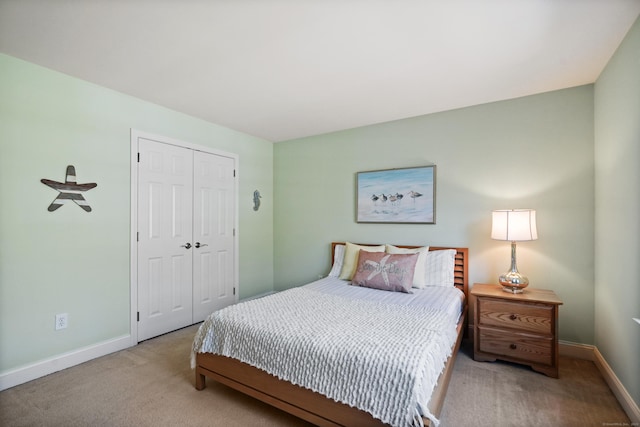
[329, 296]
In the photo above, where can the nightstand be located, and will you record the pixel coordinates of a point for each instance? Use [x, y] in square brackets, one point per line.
[521, 328]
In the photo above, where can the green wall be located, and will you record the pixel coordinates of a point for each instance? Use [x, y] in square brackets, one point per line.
[532, 152]
[617, 237]
[71, 261]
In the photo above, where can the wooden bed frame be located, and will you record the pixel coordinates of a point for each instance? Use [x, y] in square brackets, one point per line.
[315, 407]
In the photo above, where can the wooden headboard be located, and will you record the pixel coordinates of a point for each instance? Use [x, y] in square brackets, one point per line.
[460, 269]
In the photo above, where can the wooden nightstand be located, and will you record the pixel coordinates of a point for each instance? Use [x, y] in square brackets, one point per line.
[521, 328]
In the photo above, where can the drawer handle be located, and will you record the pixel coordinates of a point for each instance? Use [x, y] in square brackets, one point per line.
[513, 317]
[513, 346]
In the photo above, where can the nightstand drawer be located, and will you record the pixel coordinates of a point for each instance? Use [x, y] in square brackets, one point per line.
[522, 316]
[528, 348]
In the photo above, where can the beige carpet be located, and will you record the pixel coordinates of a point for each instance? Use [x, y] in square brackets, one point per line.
[501, 394]
[152, 385]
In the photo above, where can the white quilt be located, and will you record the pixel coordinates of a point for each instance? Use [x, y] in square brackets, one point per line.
[381, 358]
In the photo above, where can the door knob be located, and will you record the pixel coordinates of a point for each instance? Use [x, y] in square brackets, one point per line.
[198, 244]
[188, 245]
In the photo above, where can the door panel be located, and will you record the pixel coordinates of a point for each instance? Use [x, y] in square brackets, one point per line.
[223, 273]
[165, 203]
[214, 215]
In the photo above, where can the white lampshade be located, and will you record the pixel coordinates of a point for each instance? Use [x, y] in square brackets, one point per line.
[515, 225]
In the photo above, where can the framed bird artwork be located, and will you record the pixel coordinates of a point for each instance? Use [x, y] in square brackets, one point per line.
[406, 195]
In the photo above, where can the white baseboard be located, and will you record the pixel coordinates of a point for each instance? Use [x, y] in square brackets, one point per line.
[621, 393]
[576, 351]
[590, 352]
[63, 361]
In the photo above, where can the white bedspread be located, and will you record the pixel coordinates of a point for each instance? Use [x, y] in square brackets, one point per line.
[445, 298]
[383, 358]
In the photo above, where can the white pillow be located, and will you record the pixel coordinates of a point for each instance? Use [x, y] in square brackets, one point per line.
[338, 258]
[420, 270]
[350, 262]
[439, 268]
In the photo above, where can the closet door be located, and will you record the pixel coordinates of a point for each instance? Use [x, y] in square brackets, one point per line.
[213, 234]
[165, 230]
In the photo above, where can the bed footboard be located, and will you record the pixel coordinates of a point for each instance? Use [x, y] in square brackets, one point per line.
[298, 401]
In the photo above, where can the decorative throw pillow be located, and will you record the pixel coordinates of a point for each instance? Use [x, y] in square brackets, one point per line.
[351, 252]
[439, 268]
[338, 258]
[419, 273]
[388, 272]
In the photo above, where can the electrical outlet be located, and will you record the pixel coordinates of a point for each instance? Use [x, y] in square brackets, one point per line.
[62, 321]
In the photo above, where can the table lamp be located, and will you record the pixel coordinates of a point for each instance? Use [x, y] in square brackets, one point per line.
[514, 225]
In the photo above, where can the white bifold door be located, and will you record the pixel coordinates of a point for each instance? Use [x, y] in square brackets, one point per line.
[186, 222]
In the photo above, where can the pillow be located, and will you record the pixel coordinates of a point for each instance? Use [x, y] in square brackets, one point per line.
[439, 268]
[338, 258]
[388, 272]
[351, 258]
[419, 272]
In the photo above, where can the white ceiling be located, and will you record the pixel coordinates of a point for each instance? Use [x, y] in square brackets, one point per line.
[283, 69]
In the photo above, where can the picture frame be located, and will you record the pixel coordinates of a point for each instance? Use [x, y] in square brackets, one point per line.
[403, 196]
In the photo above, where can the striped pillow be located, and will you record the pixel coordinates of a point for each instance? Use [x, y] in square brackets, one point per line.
[439, 267]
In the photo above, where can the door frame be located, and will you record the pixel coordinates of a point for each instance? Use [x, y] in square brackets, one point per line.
[133, 248]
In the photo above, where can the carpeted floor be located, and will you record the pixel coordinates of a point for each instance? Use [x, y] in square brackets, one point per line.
[152, 385]
[502, 394]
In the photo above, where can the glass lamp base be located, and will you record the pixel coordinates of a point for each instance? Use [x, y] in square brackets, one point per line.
[512, 289]
[513, 282]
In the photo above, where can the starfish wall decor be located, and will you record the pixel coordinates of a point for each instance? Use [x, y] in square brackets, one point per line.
[69, 190]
